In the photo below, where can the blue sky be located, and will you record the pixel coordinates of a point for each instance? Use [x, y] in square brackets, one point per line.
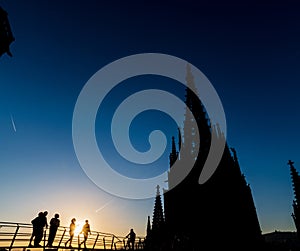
[249, 52]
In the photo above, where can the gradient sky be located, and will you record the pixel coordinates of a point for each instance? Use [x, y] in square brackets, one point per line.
[249, 51]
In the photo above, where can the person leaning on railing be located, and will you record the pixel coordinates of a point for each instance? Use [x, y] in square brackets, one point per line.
[54, 224]
[131, 239]
[38, 224]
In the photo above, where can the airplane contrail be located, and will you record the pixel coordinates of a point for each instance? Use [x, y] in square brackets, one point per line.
[13, 123]
[106, 204]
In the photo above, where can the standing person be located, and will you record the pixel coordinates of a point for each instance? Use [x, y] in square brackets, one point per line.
[131, 239]
[38, 225]
[85, 230]
[36, 222]
[43, 223]
[71, 232]
[54, 224]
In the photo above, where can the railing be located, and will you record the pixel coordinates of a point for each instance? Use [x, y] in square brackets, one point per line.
[17, 236]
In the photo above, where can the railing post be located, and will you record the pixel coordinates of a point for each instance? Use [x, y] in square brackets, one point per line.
[15, 235]
[78, 241]
[112, 242]
[124, 244]
[45, 233]
[62, 237]
[96, 241]
[104, 243]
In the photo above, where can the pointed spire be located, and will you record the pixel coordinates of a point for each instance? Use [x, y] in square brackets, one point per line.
[158, 233]
[295, 181]
[195, 118]
[190, 78]
[191, 138]
[173, 145]
[158, 215]
[148, 239]
[179, 139]
[174, 154]
[148, 231]
[157, 187]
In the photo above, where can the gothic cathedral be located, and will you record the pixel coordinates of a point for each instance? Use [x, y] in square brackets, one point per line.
[219, 213]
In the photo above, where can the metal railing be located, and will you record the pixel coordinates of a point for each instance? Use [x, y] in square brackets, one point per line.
[17, 236]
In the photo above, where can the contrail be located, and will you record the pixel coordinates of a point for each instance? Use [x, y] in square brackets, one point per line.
[13, 123]
[106, 204]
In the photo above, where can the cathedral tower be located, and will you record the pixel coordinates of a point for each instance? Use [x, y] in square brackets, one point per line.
[218, 212]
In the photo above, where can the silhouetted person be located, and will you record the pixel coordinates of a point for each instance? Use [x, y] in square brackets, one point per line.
[131, 239]
[44, 223]
[71, 232]
[85, 230]
[54, 224]
[35, 224]
[38, 224]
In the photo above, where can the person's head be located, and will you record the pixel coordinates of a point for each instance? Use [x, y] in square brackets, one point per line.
[131, 230]
[86, 221]
[45, 213]
[41, 214]
[73, 220]
[56, 216]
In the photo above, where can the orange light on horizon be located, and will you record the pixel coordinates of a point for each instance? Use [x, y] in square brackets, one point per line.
[79, 226]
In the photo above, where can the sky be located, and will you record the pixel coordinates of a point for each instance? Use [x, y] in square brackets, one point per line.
[249, 51]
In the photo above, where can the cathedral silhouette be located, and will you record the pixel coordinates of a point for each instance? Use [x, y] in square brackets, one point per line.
[296, 202]
[219, 213]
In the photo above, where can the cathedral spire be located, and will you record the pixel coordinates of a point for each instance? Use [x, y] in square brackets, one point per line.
[195, 118]
[190, 124]
[295, 181]
[174, 154]
[179, 139]
[148, 227]
[158, 223]
[158, 215]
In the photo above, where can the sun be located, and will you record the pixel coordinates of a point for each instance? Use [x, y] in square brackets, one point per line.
[79, 225]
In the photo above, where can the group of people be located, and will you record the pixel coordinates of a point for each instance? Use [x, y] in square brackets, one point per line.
[40, 222]
[38, 225]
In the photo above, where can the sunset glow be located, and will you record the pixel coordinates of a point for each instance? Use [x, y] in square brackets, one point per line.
[79, 225]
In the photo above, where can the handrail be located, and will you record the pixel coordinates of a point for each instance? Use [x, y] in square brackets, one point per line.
[17, 236]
